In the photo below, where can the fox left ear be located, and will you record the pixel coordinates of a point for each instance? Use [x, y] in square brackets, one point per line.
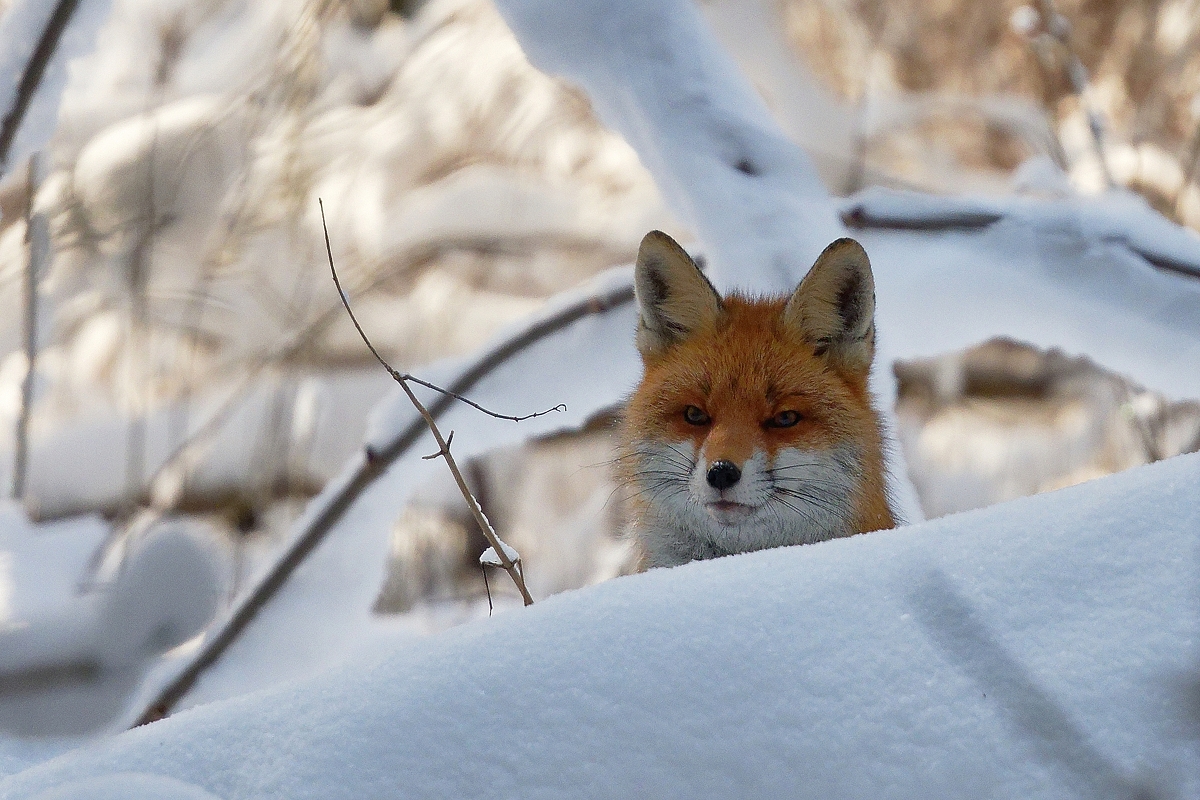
[674, 298]
[833, 308]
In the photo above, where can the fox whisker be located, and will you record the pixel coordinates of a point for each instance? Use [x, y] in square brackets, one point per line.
[820, 501]
[805, 513]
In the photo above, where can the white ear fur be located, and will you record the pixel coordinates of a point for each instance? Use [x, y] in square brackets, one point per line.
[674, 298]
[833, 308]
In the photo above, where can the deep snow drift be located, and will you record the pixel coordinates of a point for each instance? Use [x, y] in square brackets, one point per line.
[1034, 649]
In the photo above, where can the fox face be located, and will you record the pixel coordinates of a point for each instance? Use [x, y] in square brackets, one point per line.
[752, 426]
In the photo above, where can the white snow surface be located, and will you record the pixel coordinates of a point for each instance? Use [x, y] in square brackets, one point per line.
[490, 558]
[71, 652]
[1035, 649]
[126, 786]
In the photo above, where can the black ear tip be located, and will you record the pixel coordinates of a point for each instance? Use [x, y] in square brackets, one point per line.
[846, 245]
[658, 248]
[659, 239]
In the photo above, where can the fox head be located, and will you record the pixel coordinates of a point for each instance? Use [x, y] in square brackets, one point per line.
[753, 425]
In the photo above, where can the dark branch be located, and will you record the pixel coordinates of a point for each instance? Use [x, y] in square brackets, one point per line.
[31, 78]
[401, 377]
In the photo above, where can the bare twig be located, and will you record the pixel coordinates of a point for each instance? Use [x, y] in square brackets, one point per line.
[472, 503]
[37, 236]
[403, 378]
[329, 510]
[443, 444]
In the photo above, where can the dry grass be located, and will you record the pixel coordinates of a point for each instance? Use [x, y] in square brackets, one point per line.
[1143, 58]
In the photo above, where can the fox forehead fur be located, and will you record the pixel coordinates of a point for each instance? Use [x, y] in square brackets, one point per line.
[753, 425]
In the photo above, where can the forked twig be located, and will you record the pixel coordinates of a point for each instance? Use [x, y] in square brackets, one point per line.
[403, 378]
[328, 510]
[443, 445]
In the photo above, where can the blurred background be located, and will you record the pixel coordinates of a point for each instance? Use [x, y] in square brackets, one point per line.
[194, 370]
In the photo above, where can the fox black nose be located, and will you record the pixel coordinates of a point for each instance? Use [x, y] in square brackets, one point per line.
[723, 474]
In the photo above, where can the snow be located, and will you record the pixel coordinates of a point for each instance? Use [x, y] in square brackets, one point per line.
[126, 786]
[92, 647]
[48, 560]
[1030, 650]
[323, 416]
[490, 558]
[805, 109]
[1049, 284]
[1117, 217]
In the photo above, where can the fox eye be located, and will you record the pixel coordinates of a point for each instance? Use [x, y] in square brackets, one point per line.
[784, 419]
[695, 416]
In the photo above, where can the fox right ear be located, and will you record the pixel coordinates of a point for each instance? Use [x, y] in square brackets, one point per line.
[674, 297]
[833, 308]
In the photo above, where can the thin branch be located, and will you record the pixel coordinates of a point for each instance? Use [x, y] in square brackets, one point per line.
[480, 519]
[444, 446]
[399, 377]
[31, 77]
[328, 511]
[37, 236]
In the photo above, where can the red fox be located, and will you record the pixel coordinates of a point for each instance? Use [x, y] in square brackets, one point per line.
[753, 425]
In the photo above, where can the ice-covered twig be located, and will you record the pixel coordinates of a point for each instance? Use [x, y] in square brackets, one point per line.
[489, 533]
